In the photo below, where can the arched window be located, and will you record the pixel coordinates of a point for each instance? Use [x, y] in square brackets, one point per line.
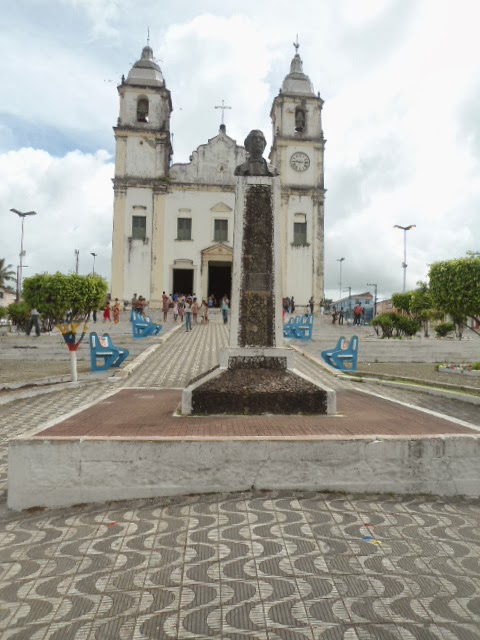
[300, 120]
[142, 110]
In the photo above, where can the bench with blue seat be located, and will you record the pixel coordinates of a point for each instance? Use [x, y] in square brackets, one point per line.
[289, 327]
[104, 349]
[304, 329]
[345, 352]
[143, 326]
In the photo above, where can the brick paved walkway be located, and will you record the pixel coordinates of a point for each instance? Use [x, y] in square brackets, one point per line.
[254, 565]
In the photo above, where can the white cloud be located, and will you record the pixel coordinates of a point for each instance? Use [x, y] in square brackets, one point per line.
[73, 199]
[401, 89]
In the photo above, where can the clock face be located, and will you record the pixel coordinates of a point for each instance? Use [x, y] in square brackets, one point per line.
[300, 161]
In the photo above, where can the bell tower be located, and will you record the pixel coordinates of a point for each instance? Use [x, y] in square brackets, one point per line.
[142, 159]
[297, 152]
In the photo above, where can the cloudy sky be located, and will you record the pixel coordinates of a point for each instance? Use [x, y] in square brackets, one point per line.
[401, 85]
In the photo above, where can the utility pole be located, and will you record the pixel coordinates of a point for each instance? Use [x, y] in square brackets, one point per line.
[22, 215]
[375, 303]
[94, 256]
[77, 253]
[404, 264]
[349, 289]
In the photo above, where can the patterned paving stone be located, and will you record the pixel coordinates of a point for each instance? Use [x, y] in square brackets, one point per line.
[265, 565]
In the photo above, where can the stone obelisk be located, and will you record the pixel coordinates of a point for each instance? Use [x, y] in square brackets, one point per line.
[256, 373]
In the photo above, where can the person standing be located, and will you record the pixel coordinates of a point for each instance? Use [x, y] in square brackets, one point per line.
[188, 314]
[165, 306]
[225, 302]
[116, 311]
[340, 316]
[311, 304]
[175, 309]
[34, 317]
[106, 312]
[205, 307]
[195, 311]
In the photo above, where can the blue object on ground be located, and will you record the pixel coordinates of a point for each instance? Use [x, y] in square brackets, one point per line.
[344, 352]
[144, 327]
[103, 348]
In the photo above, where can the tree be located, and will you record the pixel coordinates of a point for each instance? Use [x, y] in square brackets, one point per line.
[56, 294]
[417, 304]
[66, 302]
[6, 272]
[455, 288]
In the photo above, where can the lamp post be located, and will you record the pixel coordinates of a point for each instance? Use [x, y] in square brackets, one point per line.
[404, 264]
[340, 260]
[94, 256]
[22, 215]
[349, 289]
[372, 284]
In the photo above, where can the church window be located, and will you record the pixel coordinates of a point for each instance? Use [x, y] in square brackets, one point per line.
[142, 110]
[184, 228]
[220, 233]
[139, 227]
[300, 233]
[300, 120]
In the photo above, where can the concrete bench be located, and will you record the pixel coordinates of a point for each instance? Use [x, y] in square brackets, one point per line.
[303, 330]
[103, 349]
[289, 327]
[144, 327]
[344, 353]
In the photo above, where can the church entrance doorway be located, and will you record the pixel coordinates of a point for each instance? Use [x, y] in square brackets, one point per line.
[219, 280]
[183, 281]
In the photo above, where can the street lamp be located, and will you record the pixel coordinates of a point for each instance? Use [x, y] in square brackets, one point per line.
[349, 289]
[404, 264]
[22, 215]
[372, 284]
[340, 260]
[94, 256]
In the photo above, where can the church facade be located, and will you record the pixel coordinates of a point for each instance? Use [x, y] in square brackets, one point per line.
[173, 223]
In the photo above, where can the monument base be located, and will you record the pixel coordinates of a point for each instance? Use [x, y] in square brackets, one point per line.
[257, 382]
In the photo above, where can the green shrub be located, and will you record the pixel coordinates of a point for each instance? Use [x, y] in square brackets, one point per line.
[19, 315]
[476, 366]
[395, 324]
[444, 329]
[385, 322]
[406, 326]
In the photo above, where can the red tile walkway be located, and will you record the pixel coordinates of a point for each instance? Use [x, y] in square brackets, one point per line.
[145, 413]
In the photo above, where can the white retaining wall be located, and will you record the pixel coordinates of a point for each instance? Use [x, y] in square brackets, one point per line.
[56, 473]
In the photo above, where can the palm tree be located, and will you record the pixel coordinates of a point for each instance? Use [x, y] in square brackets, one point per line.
[6, 272]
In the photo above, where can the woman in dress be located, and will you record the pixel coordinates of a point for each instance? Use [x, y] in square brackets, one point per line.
[106, 312]
[116, 311]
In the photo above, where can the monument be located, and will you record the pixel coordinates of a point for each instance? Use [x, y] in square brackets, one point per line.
[256, 373]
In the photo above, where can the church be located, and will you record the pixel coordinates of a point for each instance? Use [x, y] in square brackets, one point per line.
[173, 223]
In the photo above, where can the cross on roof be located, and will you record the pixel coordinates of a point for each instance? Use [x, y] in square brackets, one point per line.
[296, 45]
[222, 107]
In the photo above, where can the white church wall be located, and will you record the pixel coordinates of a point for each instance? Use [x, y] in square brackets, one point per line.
[299, 257]
[138, 251]
[196, 205]
[140, 157]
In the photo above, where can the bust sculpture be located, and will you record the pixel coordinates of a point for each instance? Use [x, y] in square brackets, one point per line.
[256, 165]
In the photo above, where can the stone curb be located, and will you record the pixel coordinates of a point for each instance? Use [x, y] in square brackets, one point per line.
[421, 387]
[411, 385]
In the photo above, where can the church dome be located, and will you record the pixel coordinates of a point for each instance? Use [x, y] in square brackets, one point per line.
[297, 82]
[146, 71]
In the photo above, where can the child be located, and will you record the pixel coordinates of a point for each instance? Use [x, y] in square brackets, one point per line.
[106, 312]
